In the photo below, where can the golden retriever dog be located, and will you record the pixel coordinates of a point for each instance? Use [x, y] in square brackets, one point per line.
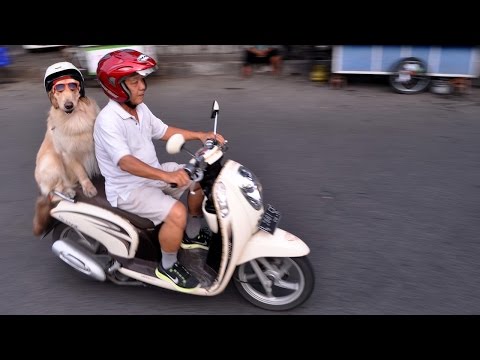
[66, 156]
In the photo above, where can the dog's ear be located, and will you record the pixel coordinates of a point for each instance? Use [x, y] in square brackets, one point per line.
[53, 100]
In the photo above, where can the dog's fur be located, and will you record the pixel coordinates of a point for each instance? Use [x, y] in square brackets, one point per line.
[67, 155]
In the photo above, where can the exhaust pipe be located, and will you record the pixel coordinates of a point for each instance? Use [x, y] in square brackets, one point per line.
[78, 258]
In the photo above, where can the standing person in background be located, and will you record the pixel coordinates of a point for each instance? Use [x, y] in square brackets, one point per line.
[261, 54]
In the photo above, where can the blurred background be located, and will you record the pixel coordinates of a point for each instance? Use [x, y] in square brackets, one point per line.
[406, 68]
[371, 153]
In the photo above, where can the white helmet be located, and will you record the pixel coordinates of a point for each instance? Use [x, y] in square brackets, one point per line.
[61, 69]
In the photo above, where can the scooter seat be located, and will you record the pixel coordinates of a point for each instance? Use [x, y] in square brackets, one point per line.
[100, 200]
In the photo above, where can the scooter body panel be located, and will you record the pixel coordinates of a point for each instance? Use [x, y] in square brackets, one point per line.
[162, 283]
[242, 239]
[279, 244]
[115, 233]
[236, 226]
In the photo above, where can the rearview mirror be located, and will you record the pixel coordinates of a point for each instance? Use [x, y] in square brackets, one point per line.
[215, 109]
[175, 143]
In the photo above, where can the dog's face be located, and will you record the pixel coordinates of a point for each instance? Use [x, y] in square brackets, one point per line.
[65, 94]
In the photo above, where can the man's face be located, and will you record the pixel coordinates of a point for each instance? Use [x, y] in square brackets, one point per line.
[136, 85]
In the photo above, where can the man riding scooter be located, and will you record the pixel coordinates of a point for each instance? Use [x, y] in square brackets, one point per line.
[135, 180]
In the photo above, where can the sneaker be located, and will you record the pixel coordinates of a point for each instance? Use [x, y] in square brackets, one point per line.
[178, 275]
[201, 241]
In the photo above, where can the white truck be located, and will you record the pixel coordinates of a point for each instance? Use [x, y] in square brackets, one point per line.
[86, 57]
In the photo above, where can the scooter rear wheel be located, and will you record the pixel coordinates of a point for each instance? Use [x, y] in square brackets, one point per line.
[278, 284]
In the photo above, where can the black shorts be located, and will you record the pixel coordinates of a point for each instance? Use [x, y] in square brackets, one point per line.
[251, 58]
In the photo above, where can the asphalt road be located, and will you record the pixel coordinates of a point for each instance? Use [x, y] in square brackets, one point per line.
[383, 187]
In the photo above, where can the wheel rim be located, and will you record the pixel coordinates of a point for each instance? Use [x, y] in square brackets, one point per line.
[417, 80]
[285, 281]
[415, 84]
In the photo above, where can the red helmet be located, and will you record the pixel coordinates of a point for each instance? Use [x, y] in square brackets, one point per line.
[116, 66]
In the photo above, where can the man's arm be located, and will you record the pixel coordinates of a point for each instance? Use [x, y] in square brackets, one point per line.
[134, 166]
[187, 134]
[192, 135]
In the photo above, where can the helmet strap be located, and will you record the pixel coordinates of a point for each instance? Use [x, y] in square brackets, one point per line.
[127, 91]
[130, 105]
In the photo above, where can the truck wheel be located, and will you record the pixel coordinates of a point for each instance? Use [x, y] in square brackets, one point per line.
[409, 76]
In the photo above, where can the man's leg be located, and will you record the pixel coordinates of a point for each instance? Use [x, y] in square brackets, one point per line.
[250, 59]
[152, 203]
[195, 214]
[276, 61]
[170, 237]
[171, 232]
[194, 201]
[197, 237]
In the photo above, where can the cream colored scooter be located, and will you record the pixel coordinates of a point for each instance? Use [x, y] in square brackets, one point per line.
[269, 265]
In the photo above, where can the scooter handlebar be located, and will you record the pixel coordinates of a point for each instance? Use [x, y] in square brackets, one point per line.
[190, 170]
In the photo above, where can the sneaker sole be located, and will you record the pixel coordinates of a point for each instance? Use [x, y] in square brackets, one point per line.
[179, 288]
[193, 246]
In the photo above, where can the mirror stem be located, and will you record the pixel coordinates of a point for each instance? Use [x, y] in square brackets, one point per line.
[188, 152]
[215, 128]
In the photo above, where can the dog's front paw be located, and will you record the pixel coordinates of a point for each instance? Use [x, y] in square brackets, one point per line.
[89, 190]
[70, 193]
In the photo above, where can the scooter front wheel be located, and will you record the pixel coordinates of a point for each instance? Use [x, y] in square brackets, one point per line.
[278, 284]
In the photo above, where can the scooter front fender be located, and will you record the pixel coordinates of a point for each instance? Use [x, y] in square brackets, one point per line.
[279, 244]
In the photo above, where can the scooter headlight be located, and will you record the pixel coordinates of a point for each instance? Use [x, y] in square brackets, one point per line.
[250, 187]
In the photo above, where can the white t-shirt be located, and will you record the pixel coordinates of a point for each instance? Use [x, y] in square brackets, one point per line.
[116, 134]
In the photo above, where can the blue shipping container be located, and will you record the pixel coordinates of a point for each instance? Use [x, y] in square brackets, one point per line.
[442, 61]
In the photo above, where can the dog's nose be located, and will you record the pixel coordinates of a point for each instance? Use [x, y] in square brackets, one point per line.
[68, 105]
